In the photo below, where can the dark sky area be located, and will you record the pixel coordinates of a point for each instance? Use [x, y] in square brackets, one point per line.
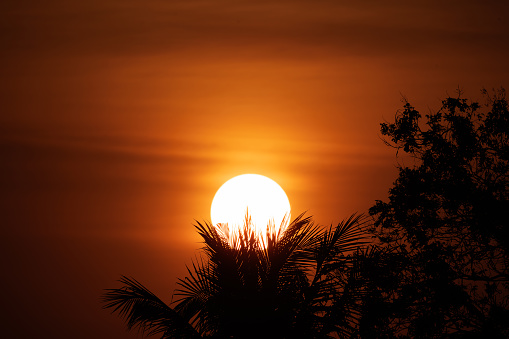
[119, 120]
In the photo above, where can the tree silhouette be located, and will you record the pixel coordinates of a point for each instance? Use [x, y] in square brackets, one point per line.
[438, 266]
[444, 240]
[302, 283]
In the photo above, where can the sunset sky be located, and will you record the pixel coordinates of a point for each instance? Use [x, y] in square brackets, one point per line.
[120, 120]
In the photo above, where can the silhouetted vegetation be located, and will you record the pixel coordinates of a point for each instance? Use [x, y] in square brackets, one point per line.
[434, 267]
[442, 262]
[301, 284]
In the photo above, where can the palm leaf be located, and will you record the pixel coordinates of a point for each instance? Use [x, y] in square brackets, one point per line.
[335, 244]
[195, 294]
[143, 310]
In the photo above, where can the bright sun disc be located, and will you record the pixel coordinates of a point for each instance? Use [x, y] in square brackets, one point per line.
[264, 200]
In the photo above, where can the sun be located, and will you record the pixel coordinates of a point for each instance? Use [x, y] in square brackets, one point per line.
[262, 198]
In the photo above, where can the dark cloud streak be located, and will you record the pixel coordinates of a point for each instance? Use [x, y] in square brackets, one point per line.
[176, 28]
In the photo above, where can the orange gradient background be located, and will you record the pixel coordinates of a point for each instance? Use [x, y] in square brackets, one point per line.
[120, 120]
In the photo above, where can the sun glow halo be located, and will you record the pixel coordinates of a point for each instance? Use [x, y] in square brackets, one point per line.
[261, 197]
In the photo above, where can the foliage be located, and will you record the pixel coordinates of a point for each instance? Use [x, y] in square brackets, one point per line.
[438, 267]
[145, 311]
[444, 232]
[303, 283]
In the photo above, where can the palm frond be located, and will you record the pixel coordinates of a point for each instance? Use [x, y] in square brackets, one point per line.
[194, 289]
[196, 293]
[336, 243]
[300, 236]
[143, 310]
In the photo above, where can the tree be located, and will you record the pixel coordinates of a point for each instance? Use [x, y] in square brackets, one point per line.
[301, 284]
[443, 233]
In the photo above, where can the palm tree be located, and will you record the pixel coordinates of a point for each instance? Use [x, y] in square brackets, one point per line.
[300, 282]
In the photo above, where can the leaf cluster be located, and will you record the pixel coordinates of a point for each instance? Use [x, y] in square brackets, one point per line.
[444, 228]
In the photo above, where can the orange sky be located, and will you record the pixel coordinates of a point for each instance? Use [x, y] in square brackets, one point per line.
[120, 119]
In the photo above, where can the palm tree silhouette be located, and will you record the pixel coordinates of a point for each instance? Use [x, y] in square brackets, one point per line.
[302, 282]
